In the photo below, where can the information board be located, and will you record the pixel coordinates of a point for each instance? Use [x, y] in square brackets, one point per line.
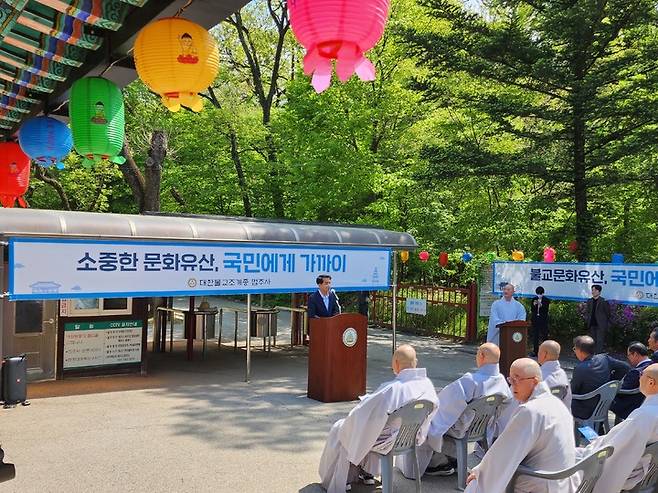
[416, 306]
[93, 344]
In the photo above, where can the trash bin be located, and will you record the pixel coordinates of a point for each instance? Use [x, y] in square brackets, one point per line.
[206, 317]
[263, 322]
[14, 380]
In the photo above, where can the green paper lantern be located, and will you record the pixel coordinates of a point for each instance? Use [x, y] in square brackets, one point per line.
[97, 120]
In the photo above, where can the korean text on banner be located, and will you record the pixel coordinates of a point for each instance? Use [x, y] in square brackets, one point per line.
[635, 284]
[42, 268]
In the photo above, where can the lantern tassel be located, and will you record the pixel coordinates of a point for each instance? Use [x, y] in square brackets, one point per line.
[320, 67]
[59, 165]
[365, 69]
[7, 201]
[22, 202]
[118, 159]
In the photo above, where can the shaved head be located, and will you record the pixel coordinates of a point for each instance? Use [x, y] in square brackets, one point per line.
[649, 380]
[552, 349]
[404, 357]
[526, 367]
[489, 352]
[651, 371]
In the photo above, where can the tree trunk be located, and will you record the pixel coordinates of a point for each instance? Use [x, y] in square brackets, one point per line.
[133, 176]
[156, 157]
[580, 187]
[42, 174]
[242, 182]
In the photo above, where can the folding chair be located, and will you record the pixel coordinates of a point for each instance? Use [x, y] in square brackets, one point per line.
[591, 466]
[649, 483]
[410, 418]
[483, 410]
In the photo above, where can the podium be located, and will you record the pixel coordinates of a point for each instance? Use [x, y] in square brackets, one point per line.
[513, 343]
[337, 357]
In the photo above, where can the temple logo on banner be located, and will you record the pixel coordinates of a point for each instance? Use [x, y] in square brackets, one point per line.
[635, 284]
[45, 268]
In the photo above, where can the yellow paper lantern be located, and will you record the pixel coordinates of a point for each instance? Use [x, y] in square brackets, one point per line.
[404, 256]
[176, 59]
[518, 255]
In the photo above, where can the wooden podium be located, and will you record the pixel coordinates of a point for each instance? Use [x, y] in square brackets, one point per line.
[337, 357]
[513, 343]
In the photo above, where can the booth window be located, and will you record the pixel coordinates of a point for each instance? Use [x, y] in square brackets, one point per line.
[100, 306]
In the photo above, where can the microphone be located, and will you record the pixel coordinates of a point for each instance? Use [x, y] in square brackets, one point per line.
[340, 308]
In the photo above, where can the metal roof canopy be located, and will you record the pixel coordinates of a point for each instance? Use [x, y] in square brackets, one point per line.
[49, 223]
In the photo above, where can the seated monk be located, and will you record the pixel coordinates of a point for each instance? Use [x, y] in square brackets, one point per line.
[364, 429]
[627, 466]
[436, 457]
[539, 435]
[552, 373]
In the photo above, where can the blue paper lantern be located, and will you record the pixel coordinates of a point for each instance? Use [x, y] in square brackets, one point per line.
[617, 258]
[467, 257]
[46, 141]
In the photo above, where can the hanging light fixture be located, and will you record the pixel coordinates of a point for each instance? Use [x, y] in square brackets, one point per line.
[14, 174]
[176, 59]
[46, 141]
[97, 120]
[341, 30]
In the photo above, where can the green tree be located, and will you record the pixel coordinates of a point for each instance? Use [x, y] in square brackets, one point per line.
[560, 91]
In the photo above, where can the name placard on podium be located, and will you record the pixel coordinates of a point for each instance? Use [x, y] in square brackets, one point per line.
[337, 357]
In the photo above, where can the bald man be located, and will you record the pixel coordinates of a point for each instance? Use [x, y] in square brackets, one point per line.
[539, 435]
[552, 373]
[627, 465]
[506, 309]
[435, 457]
[347, 454]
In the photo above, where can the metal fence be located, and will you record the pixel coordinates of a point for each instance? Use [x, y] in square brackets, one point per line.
[451, 312]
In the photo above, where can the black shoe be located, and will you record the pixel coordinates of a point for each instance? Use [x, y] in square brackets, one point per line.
[366, 478]
[447, 469]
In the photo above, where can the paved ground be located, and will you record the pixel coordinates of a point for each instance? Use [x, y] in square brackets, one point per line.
[197, 427]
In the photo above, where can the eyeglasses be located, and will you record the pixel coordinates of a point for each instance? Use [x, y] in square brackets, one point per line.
[513, 380]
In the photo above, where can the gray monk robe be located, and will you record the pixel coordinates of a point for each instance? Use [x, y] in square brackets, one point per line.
[540, 436]
[626, 467]
[450, 418]
[352, 439]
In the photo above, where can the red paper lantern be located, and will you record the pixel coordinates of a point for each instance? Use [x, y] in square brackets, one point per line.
[443, 259]
[424, 256]
[341, 30]
[573, 246]
[14, 174]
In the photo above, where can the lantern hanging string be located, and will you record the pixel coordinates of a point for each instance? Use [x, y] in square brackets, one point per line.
[183, 8]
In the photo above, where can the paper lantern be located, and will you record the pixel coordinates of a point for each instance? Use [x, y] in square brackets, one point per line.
[518, 255]
[467, 257]
[617, 258]
[97, 120]
[176, 59]
[491, 256]
[424, 256]
[549, 254]
[14, 174]
[573, 246]
[404, 256]
[46, 141]
[443, 259]
[341, 30]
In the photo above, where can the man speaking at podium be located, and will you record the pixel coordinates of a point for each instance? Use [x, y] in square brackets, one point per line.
[506, 309]
[324, 302]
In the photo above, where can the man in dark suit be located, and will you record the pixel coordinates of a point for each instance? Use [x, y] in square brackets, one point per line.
[323, 303]
[653, 345]
[597, 317]
[539, 318]
[623, 405]
[593, 371]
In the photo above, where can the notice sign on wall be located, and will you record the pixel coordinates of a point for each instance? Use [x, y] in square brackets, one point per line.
[416, 306]
[103, 343]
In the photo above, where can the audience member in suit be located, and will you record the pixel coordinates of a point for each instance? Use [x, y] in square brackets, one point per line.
[593, 371]
[623, 405]
[323, 303]
[539, 319]
[653, 345]
[597, 316]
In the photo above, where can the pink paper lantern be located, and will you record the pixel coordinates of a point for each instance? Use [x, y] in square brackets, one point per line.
[549, 254]
[424, 256]
[341, 30]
